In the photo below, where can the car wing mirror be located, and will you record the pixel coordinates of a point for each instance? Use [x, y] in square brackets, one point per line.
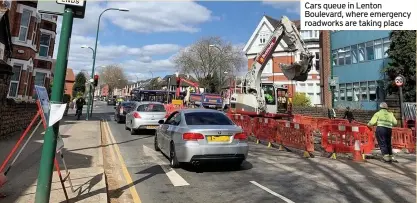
[161, 122]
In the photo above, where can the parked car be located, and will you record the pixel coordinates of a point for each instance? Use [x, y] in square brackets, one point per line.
[121, 110]
[111, 101]
[144, 115]
[201, 135]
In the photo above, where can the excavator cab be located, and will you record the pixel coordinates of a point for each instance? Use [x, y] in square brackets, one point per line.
[276, 98]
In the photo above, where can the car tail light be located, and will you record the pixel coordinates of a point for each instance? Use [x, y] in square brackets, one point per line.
[241, 136]
[192, 136]
[136, 115]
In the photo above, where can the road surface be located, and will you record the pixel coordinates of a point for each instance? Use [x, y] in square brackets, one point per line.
[268, 175]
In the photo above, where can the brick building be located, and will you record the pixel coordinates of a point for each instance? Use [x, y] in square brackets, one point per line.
[33, 37]
[272, 72]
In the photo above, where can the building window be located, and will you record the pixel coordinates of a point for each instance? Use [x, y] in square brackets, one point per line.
[354, 52]
[387, 42]
[370, 55]
[47, 16]
[341, 58]
[34, 34]
[24, 25]
[316, 34]
[378, 49]
[342, 90]
[372, 90]
[14, 81]
[317, 61]
[349, 92]
[263, 37]
[334, 58]
[364, 91]
[40, 79]
[361, 48]
[348, 56]
[356, 92]
[44, 45]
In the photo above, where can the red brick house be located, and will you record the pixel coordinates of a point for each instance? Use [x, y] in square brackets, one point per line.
[33, 37]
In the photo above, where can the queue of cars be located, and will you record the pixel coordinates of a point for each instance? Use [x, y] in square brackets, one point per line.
[188, 135]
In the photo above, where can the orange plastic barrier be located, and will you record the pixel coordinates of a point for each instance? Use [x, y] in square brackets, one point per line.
[264, 128]
[403, 138]
[243, 121]
[294, 135]
[341, 138]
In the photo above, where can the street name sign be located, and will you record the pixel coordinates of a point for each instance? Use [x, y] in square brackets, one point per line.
[71, 2]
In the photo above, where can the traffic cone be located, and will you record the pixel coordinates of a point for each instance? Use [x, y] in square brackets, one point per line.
[357, 155]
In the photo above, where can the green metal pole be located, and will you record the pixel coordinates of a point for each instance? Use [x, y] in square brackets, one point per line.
[43, 189]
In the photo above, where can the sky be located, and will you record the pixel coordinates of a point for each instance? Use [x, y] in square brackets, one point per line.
[144, 40]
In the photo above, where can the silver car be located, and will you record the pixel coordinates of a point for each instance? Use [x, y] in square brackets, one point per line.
[144, 115]
[200, 135]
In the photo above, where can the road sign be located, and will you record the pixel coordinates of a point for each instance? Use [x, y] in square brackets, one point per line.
[399, 81]
[71, 2]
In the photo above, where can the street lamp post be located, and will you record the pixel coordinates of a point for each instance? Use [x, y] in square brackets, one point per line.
[91, 86]
[95, 53]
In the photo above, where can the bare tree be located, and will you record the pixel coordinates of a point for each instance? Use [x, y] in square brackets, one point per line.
[208, 55]
[114, 76]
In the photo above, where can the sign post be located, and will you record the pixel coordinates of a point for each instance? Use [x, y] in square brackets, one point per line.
[400, 81]
[43, 189]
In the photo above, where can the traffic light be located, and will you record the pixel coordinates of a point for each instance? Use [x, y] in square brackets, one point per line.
[95, 80]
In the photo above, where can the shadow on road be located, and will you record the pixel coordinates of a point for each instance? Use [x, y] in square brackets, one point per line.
[217, 167]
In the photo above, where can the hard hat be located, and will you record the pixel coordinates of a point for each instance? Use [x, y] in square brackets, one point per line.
[383, 105]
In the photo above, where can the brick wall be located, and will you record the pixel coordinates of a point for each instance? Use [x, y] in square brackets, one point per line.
[360, 115]
[325, 67]
[15, 117]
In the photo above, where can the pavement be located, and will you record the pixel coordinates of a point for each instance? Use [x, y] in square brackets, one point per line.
[83, 157]
[268, 175]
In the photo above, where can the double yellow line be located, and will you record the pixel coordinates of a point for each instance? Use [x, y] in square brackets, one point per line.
[115, 149]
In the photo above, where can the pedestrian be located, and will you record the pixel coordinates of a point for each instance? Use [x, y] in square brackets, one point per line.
[384, 120]
[80, 104]
[348, 115]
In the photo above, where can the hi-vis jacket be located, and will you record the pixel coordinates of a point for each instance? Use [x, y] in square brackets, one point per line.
[383, 118]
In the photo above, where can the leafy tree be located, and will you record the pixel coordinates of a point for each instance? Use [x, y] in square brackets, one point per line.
[209, 55]
[301, 99]
[114, 76]
[79, 85]
[402, 54]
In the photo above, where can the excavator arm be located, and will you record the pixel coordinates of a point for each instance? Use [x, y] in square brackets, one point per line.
[297, 71]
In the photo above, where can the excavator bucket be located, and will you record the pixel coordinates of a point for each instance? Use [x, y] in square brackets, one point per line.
[298, 71]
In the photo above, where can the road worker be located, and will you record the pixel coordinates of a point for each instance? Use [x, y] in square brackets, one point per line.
[384, 120]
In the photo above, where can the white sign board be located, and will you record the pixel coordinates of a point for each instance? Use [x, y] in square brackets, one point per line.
[399, 81]
[71, 2]
[50, 7]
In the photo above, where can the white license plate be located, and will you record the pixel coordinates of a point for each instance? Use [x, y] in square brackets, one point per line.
[212, 106]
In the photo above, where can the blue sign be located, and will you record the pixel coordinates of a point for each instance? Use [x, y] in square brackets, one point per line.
[42, 96]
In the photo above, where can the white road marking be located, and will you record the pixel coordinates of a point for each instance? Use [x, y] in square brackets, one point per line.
[173, 176]
[271, 192]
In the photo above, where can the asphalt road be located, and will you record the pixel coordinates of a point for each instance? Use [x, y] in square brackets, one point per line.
[268, 175]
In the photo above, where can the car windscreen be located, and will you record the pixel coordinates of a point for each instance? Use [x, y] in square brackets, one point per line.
[151, 108]
[207, 118]
[126, 104]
